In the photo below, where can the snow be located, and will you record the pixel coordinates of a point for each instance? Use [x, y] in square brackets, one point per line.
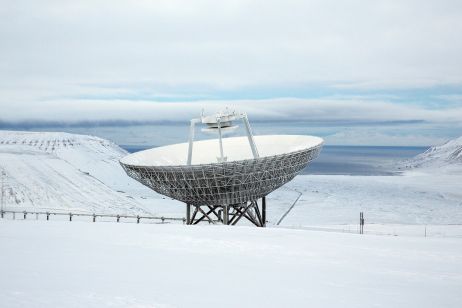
[62, 171]
[234, 148]
[408, 199]
[298, 263]
[443, 158]
[63, 264]
[67, 172]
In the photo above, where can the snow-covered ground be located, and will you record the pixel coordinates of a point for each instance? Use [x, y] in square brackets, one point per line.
[413, 198]
[426, 198]
[59, 263]
[81, 173]
[61, 171]
[78, 264]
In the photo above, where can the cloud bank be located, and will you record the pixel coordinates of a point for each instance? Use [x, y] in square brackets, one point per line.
[48, 45]
[126, 62]
[338, 111]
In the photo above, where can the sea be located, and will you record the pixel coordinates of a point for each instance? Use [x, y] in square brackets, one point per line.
[349, 160]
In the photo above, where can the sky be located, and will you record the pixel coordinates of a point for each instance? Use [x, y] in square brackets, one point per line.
[379, 72]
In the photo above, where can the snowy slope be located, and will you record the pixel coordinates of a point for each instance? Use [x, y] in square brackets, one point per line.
[66, 171]
[412, 198]
[447, 157]
[427, 192]
[129, 265]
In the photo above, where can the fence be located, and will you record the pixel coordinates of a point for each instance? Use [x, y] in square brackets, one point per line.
[427, 230]
[417, 230]
[70, 216]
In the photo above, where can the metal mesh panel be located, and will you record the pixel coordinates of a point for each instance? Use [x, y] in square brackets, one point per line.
[223, 183]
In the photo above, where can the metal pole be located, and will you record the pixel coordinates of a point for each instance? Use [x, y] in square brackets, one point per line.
[263, 210]
[220, 141]
[225, 214]
[361, 223]
[191, 139]
[188, 213]
[250, 136]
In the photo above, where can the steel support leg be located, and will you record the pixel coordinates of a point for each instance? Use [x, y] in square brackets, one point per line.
[225, 215]
[229, 214]
[263, 210]
[188, 213]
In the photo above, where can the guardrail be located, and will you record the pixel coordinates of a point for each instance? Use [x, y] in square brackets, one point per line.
[94, 216]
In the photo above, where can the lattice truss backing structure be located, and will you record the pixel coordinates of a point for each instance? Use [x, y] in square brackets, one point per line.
[227, 191]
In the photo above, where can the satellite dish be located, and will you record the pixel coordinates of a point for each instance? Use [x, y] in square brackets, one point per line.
[223, 188]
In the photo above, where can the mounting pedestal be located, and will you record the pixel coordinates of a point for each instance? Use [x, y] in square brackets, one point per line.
[228, 214]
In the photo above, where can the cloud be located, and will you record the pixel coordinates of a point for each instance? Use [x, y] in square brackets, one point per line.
[338, 111]
[231, 44]
[104, 62]
[374, 136]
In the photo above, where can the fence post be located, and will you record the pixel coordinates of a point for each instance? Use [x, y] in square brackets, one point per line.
[361, 223]
[70, 216]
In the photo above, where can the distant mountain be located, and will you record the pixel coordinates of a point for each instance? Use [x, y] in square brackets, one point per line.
[444, 156]
[66, 171]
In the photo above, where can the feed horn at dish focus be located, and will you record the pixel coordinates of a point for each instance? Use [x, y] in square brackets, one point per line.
[223, 180]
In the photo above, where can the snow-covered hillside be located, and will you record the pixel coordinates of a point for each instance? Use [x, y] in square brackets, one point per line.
[66, 171]
[447, 157]
[75, 172]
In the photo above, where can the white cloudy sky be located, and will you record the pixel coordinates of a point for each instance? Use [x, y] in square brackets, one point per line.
[333, 61]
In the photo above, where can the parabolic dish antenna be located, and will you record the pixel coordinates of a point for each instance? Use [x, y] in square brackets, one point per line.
[223, 178]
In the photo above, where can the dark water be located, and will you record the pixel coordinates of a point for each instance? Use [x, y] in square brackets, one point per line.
[349, 160]
[361, 160]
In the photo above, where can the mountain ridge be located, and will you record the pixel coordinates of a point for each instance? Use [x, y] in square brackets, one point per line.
[445, 156]
[57, 170]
